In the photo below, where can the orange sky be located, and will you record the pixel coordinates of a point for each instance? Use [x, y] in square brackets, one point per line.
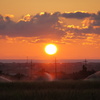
[26, 26]
[23, 7]
[36, 51]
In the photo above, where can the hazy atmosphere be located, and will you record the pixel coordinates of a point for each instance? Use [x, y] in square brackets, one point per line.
[27, 26]
[49, 49]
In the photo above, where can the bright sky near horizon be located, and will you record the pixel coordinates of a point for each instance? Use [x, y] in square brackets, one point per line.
[26, 26]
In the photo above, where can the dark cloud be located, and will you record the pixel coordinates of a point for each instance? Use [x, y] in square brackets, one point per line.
[96, 16]
[2, 22]
[84, 31]
[96, 23]
[96, 19]
[38, 25]
[77, 15]
[47, 26]
[1, 17]
[93, 27]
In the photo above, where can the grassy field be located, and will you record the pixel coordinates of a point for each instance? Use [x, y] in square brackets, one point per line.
[59, 90]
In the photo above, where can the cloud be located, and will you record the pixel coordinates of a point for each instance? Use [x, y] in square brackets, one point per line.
[44, 26]
[93, 20]
[83, 31]
[77, 15]
[96, 16]
[37, 25]
[96, 19]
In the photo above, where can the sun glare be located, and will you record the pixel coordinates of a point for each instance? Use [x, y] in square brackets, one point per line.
[50, 49]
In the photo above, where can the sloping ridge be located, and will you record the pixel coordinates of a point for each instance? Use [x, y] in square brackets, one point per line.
[94, 77]
[4, 79]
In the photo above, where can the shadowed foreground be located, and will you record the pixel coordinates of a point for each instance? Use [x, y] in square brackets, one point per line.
[59, 90]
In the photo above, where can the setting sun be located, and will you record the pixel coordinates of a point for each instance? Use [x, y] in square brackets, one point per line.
[50, 49]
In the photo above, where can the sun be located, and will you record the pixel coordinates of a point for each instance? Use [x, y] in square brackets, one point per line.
[50, 49]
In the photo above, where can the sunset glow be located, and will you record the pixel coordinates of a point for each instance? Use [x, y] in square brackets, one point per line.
[49, 46]
[26, 29]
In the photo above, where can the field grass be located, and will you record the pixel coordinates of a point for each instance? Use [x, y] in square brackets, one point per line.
[58, 90]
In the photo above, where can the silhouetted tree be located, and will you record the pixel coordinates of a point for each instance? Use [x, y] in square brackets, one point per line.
[1, 72]
[19, 76]
[82, 74]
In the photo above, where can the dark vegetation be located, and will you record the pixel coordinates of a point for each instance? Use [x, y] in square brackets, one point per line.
[65, 71]
[62, 89]
[82, 74]
[56, 90]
